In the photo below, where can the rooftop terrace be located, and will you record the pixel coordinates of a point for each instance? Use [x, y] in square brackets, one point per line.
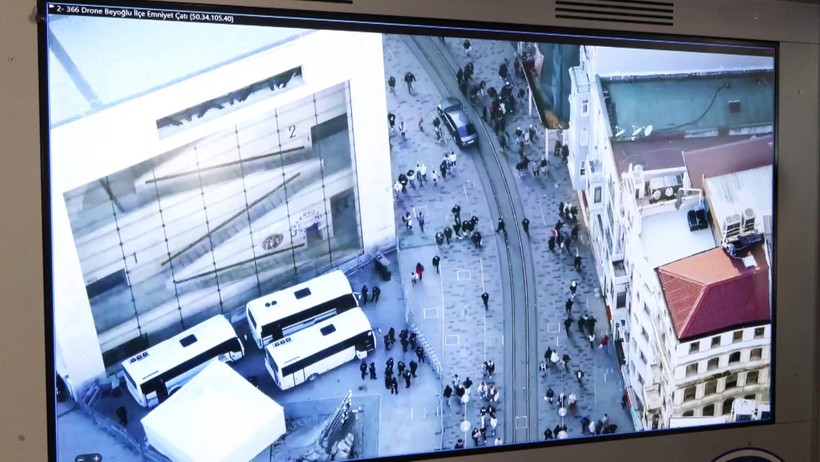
[690, 104]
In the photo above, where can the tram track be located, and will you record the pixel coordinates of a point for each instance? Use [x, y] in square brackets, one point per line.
[518, 285]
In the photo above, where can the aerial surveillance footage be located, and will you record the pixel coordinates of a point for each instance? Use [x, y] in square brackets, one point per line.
[363, 245]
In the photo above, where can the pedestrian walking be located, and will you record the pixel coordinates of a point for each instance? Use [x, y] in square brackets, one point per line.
[375, 296]
[400, 366]
[460, 76]
[482, 390]
[475, 436]
[409, 78]
[413, 367]
[548, 434]
[413, 338]
[485, 297]
[404, 344]
[549, 396]
[456, 381]
[624, 400]
[406, 376]
[591, 324]
[414, 277]
[394, 386]
[459, 444]
[434, 176]
[565, 359]
[573, 286]
[554, 358]
[391, 120]
[387, 343]
[420, 270]
[364, 295]
[468, 386]
[501, 226]
[548, 353]
[574, 232]
[582, 324]
[476, 237]
[421, 169]
[577, 262]
[439, 238]
[391, 83]
[420, 353]
[363, 368]
[436, 262]
[551, 243]
[448, 234]
[494, 424]
[421, 124]
[542, 368]
[591, 340]
[442, 167]
[468, 47]
[122, 415]
[525, 223]
[568, 306]
[456, 213]
[490, 368]
[567, 325]
[457, 229]
[411, 178]
[447, 393]
[579, 374]
[372, 371]
[402, 130]
[605, 343]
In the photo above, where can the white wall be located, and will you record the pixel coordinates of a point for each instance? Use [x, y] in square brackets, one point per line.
[117, 138]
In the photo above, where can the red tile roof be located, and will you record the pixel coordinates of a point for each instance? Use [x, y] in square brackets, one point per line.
[711, 292]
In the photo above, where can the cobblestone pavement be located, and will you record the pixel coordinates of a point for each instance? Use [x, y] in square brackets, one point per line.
[446, 307]
[602, 385]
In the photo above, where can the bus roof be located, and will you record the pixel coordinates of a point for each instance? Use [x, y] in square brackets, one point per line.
[209, 333]
[311, 340]
[283, 303]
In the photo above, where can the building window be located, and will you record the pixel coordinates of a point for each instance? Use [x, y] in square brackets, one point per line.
[597, 195]
[688, 394]
[584, 136]
[710, 388]
[737, 336]
[691, 370]
[759, 331]
[689, 414]
[731, 382]
[694, 347]
[640, 380]
[709, 410]
[645, 308]
[727, 406]
[755, 354]
[620, 300]
[752, 396]
[752, 377]
[712, 364]
[716, 341]
[644, 334]
[734, 357]
[585, 107]
[643, 358]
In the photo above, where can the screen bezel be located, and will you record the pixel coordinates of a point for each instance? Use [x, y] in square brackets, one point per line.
[46, 227]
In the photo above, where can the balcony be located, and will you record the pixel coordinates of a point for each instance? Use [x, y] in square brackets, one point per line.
[652, 397]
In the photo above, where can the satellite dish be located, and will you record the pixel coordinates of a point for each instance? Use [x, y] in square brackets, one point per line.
[648, 130]
[637, 131]
[619, 132]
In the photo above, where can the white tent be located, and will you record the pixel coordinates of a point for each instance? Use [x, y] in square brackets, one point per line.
[217, 416]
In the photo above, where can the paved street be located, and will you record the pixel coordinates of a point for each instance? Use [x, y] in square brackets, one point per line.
[537, 198]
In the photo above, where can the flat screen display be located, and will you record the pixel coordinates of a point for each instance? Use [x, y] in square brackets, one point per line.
[282, 235]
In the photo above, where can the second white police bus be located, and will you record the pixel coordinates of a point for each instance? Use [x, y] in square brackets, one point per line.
[304, 355]
[154, 374]
[277, 315]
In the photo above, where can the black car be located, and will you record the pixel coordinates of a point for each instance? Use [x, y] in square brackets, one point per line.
[452, 113]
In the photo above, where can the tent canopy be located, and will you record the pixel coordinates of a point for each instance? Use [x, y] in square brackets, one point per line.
[217, 416]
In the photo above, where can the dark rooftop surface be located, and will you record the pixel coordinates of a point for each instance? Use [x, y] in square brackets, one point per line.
[729, 158]
[653, 153]
[690, 103]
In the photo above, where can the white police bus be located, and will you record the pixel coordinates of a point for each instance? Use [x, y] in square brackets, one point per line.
[304, 355]
[277, 315]
[154, 374]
